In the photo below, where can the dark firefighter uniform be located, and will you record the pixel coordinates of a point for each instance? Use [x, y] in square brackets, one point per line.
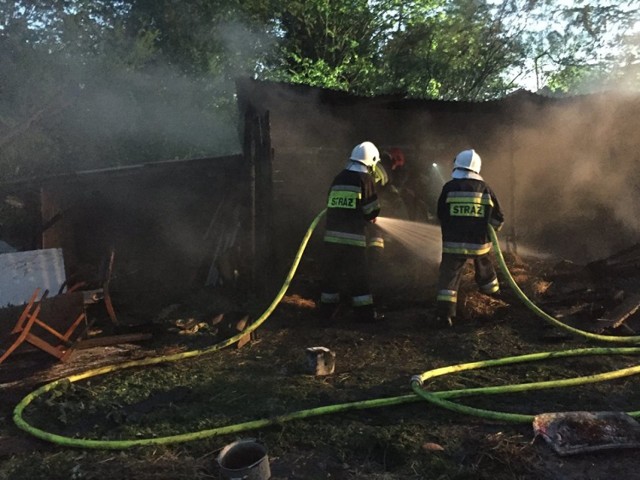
[465, 207]
[351, 207]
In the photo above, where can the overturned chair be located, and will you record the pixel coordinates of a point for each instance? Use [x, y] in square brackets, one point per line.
[52, 325]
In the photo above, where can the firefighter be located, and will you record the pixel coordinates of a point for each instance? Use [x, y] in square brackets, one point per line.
[466, 206]
[391, 194]
[352, 208]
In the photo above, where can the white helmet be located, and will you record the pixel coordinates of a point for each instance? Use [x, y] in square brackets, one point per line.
[468, 160]
[366, 153]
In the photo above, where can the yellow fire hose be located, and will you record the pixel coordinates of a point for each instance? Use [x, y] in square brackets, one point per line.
[634, 340]
[442, 398]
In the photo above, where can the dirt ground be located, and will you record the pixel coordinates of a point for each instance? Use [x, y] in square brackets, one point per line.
[270, 376]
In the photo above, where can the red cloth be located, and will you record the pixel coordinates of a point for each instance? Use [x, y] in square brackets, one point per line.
[397, 158]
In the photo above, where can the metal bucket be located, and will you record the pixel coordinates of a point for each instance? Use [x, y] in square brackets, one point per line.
[244, 460]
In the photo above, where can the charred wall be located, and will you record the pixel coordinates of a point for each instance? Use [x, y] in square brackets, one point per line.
[575, 163]
[565, 169]
[312, 133]
[172, 225]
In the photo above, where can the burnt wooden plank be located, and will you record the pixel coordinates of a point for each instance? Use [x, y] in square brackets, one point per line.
[111, 340]
[616, 317]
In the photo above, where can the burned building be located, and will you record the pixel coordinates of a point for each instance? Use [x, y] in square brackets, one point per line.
[564, 169]
[169, 225]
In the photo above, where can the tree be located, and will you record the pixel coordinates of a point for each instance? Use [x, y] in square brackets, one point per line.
[454, 49]
[584, 45]
[212, 37]
[458, 50]
[89, 83]
[326, 43]
[80, 90]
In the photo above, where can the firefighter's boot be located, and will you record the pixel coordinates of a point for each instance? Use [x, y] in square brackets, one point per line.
[327, 311]
[445, 313]
[444, 321]
[367, 314]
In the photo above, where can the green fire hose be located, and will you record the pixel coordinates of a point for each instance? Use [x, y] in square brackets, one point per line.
[441, 398]
[634, 340]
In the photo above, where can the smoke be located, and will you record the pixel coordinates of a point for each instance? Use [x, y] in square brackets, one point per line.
[152, 115]
[569, 178]
[421, 239]
[565, 170]
[84, 112]
[75, 109]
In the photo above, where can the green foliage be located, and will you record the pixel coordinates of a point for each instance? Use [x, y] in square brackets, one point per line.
[87, 92]
[324, 43]
[458, 52]
[221, 37]
[94, 83]
[582, 44]
[571, 78]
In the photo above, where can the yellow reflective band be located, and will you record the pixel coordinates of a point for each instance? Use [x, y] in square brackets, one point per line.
[342, 199]
[353, 240]
[469, 197]
[377, 242]
[465, 248]
[348, 188]
[362, 300]
[466, 210]
[330, 298]
[491, 287]
[370, 207]
[447, 296]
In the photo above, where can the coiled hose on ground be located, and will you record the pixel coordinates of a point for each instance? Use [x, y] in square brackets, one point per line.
[442, 398]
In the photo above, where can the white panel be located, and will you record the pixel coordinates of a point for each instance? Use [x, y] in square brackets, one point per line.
[22, 272]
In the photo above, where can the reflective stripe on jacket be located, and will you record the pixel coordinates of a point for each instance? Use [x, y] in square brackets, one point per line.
[465, 207]
[351, 204]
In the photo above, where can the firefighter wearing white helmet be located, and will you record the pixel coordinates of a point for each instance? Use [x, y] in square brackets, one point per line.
[465, 207]
[467, 161]
[366, 153]
[352, 206]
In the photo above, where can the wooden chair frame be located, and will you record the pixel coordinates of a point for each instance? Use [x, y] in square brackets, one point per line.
[26, 330]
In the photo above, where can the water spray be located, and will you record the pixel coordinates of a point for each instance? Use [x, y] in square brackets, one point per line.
[440, 398]
[420, 238]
